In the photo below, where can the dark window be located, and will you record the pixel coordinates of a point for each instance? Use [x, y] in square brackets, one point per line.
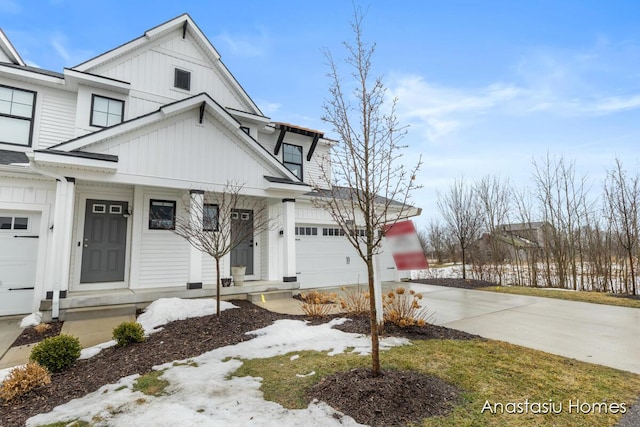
[210, 217]
[292, 158]
[5, 222]
[14, 223]
[182, 79]
[306, 231]
[20, 223]
[105, 111]
[162, 215]
[246, 130]
[17, 108]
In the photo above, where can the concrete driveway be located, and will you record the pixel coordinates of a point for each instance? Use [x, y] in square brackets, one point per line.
[593, 333]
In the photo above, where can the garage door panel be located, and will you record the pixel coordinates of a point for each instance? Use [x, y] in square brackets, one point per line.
[18, 260]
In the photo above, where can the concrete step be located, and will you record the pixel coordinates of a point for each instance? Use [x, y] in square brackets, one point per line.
[85, 313]
[269, 295]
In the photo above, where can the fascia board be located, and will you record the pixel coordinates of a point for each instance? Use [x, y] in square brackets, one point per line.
[74, 76]
[10, 50]
[51, 159]
[31, 75]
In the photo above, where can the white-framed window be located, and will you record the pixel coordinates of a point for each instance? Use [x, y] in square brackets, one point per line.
[209, 217]
[162, 214]
[292, 158]
[14, 223]
[306, 231]
[105, 111]
[17, 109]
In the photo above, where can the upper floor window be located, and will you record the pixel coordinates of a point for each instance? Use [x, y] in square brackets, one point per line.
[182, 79]
[17, 107]
[105, 111]
[292, 158]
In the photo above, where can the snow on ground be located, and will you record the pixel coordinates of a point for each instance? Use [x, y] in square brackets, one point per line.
[167, 310]
[200, 392]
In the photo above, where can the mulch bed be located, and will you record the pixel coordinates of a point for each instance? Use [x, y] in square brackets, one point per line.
[392, 399]
[191, 337]
[30, 335]
[456, 283]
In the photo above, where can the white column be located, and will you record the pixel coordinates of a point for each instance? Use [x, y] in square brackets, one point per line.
[137, 226]
[68, 232]
[195, 256]
[289, 236]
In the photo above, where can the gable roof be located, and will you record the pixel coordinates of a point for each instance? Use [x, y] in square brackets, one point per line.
[187, 24]
[202, 101]
[9, 50]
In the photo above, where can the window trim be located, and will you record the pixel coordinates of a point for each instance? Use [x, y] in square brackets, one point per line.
[301, 164]
[217, 223]
[93, 97]
[30, 120]
[152, 226]
[246, 129]
[175, 79]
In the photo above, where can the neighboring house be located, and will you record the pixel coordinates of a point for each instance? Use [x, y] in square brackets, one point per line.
[96, 162]
[510, 240]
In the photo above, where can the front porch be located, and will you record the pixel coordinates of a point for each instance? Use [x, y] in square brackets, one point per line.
[121, 302]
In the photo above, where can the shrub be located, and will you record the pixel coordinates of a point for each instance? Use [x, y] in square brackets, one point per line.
[127, 333]
[23, 379]
[403, 309]
[41, 328]
[318, 304]
[56, 353]
[355, 301]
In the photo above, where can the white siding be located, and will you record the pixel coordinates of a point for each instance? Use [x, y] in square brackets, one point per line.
[182, 149]
[57, 117]
[4, 57]
[150, 70]
[35, 191]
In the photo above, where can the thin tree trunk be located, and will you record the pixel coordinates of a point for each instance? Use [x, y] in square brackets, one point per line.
[375, 347]
[217, 286]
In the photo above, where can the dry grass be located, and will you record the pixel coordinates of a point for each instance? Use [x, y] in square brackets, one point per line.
[318, 304]
[487, 370]
[41, 328]
[23, 379]
[403, 308]
[581, 296]
[354, 300]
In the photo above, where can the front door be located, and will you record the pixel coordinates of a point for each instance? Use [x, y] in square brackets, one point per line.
[242, 231]
[104, 241]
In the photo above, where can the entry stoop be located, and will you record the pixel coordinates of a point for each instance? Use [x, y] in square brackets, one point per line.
[269, 295]
[85, 313]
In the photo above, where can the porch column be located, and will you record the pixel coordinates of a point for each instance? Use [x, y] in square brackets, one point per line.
[289, 236]
[196, 203]
[70, 185]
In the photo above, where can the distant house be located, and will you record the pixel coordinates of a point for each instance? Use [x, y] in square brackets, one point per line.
[97, 161]
[514, 239]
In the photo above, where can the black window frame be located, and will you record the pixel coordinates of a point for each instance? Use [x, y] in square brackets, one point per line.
[93, 98]
[153, 222]
[246, 129]
[177, 80]
[286, 163]
[217, 217]
[31, 120]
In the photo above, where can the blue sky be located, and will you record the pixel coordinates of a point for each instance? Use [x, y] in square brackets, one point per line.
[485, 86]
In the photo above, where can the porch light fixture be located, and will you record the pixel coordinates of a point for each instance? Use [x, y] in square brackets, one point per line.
[128, 212]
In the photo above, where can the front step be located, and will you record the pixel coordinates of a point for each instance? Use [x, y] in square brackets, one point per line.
[85, 313]
[269, 295]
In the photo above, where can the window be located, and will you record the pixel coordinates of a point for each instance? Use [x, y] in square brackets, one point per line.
[17, 108]
[210, 217]
[182, 79]
[340, 232]
[14, 223]
[306, 231]
[292, 158]
[105, 111]
[162, 215]
[245, 129]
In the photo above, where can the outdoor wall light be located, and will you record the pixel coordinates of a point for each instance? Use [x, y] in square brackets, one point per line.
[128, 212]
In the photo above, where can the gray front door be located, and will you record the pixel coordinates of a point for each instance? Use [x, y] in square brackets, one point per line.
[104, 241]
[242, 232]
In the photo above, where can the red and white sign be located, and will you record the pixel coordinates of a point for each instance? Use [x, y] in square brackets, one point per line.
[405, 246]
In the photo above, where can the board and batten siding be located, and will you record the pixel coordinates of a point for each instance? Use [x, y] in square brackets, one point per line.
[36, 191]
[150, 70]
[182, 149]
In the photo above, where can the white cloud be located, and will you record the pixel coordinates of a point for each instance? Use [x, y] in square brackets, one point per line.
[69, 55]
[245, 45]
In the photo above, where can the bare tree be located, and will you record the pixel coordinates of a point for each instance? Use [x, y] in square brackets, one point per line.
[460, 209]
[214, 225]
[436, 235]
[369, 187]
[622, 198]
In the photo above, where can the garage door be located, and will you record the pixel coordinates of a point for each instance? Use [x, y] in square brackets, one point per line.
[324, 257]
[18, 260]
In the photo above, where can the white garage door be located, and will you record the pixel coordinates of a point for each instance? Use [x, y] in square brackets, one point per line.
[18, 259]
[325, 258]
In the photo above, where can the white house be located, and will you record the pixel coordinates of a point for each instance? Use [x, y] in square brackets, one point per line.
[94, 162]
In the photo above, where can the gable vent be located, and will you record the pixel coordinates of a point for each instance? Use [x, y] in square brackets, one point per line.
[182, 79]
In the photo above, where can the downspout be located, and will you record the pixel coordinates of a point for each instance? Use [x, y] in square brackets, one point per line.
[55, 304]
